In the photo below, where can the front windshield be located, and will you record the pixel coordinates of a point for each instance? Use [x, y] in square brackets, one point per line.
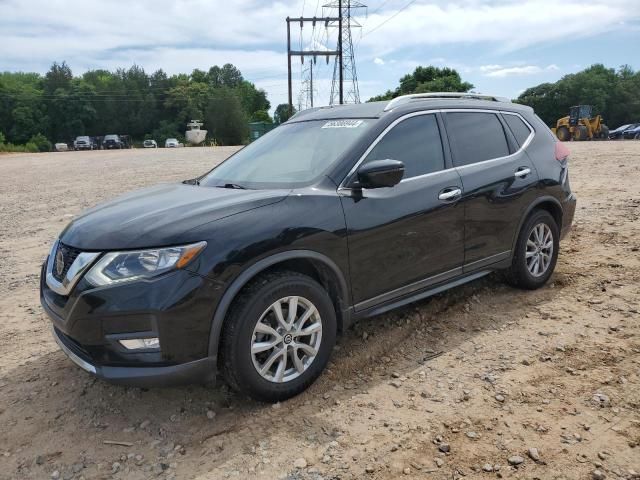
[291, 155]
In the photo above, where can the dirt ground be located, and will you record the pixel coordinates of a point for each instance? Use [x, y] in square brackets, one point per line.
[484, 381]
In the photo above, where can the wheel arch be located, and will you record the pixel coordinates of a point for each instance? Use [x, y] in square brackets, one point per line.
[548, 203]
[316, 265]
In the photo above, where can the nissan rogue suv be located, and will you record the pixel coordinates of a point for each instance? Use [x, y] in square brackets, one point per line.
[341, 213]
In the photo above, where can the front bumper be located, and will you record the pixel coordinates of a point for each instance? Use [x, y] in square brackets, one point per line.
[176, 308]
[185, 373]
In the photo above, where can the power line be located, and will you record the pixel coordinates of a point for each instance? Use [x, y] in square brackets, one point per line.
[380, 7]
[389, 18]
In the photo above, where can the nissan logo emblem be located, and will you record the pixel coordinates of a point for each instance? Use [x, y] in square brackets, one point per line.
[59, 262]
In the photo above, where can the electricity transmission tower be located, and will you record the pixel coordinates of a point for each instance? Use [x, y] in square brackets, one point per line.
[307, 91]
[344, 69]
[344, 87]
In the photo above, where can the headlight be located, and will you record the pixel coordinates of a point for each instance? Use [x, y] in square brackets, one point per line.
[116, 267]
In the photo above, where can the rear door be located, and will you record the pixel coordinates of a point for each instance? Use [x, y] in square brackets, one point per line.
[406, 237]
[498, 180]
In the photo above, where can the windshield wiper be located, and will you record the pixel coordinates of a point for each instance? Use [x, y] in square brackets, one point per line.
[233, 186]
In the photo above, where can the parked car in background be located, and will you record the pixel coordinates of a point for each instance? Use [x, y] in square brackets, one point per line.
[111, 141]
[632, 132]
[150, 144]
[617, 133]
[83, 143]
[61, 147]
[171, 143]
[126, 141]
[338, 214]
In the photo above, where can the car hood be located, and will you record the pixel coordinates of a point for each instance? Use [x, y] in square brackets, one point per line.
[160, 215]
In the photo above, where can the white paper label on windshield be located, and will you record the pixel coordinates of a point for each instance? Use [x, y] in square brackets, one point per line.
[343, 124]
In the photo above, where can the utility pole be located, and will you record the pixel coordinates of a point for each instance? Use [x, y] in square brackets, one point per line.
[311, 82]
[289, 66]
[306, 53]
[344, 71]
[341, 57]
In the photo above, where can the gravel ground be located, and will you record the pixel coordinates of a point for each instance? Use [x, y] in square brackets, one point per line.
[484, 381]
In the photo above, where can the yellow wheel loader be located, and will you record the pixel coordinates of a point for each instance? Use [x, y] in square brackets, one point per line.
[581, 125]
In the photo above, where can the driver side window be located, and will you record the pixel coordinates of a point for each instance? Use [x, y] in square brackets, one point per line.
[415, 142]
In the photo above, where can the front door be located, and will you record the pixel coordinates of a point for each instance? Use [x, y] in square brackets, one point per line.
[406, 237]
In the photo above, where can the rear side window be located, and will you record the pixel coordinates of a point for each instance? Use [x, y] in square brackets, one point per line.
[415, 142]
[475, 137]
[518, 128]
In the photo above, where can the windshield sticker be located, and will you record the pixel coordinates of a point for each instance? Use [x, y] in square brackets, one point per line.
[343, 124]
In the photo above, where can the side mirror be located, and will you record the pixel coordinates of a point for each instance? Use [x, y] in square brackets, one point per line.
[380, 173]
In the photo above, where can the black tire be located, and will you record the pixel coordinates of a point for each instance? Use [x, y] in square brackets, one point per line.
[563, 134]
[236, 357]
[580, 133]
[604, 132]
[519, 275]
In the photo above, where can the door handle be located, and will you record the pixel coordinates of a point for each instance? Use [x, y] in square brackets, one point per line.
[522, 172]
[449, 193]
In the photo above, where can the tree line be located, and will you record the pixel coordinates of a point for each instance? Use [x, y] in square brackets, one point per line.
[36, 110]
[615, 94]
[59, 106]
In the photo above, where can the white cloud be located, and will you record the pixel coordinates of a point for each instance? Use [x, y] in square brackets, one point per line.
[508, 24]
[378, 61]
[512, 71]
[490, 68]
[498, 71]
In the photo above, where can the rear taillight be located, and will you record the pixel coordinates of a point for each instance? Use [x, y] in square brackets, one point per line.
[562, 152]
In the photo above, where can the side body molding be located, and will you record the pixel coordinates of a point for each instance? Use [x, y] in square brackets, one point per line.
[255, 269]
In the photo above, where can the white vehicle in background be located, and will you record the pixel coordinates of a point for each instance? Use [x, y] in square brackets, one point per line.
[150, 144]
[61, 147]
[171, 143]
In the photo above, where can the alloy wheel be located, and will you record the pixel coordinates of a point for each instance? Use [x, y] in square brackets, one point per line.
[539, 250]
[286, 339]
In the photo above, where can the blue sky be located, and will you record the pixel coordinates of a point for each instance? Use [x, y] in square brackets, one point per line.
[501, 46]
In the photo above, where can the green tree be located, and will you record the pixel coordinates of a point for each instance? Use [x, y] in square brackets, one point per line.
[283, 113]
[59, 76]
[127, 101]
[225, 119]
[43, 144]
[427, 79]
[614, 94]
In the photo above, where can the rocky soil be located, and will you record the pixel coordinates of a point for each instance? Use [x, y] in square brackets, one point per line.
[484, 381]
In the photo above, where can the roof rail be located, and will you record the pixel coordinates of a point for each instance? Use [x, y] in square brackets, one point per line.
[417, 96]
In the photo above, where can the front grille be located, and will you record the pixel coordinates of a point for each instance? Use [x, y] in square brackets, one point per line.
[69, 255]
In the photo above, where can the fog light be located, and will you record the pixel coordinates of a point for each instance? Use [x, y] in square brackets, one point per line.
[139, 343]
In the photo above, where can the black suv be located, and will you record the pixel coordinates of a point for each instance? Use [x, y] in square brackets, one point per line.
[112, 141]
[340, 213]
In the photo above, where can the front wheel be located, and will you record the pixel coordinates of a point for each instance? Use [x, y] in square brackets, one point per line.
[563, 134]
[278, 336]
[536, 252]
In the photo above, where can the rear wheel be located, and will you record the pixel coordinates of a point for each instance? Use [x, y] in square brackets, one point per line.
[604, 132]
[563, 134]
[536, 251]
[278, 336]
